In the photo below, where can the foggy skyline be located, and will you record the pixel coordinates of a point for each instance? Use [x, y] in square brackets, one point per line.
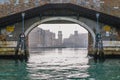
[67, 29]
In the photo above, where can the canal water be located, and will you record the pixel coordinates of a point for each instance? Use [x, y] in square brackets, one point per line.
[59, 64]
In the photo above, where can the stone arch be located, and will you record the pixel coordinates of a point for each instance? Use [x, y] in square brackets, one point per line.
[62, 19]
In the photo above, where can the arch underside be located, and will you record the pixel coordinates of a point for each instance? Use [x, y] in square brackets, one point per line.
[62, 20]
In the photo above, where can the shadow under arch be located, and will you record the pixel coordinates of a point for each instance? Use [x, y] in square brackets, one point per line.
[62, 19]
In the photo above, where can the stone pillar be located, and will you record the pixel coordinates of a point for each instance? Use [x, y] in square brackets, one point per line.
[90, 43]
[118, 32]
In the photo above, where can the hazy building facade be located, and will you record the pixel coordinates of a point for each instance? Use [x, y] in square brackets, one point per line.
[34, 37]
[44, 38]
[76, 40]
[59, 40]
[49, 38]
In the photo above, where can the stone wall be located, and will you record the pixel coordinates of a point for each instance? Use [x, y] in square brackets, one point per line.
[107, 6]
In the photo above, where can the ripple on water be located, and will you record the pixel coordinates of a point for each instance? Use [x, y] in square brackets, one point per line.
[67, 65]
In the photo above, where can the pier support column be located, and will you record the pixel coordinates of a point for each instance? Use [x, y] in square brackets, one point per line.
[21, 49]
[99, 52]
[118, 32]
[90, 44]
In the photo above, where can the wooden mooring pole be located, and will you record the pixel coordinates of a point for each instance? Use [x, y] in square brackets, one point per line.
[21, 51]
[99, 52]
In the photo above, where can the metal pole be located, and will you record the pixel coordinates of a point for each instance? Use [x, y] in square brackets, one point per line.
[22, 35]
[97, 28]
[23, 23]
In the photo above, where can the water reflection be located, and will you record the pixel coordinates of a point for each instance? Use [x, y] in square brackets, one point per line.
[59, 64]
[10, 70]
[109, 70]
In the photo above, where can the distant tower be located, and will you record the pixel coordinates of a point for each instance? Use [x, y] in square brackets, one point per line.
[76, 39]
[60, 38]
[75, 33]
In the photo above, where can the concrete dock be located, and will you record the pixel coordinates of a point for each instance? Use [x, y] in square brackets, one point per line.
[7, 49]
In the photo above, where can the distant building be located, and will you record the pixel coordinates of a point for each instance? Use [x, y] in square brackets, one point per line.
[44, 38]
[49, 38]
[41, 38]
[34, 37]
[76, 40]
[60, 38]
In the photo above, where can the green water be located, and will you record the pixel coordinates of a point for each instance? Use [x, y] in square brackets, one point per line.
[59, 64]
